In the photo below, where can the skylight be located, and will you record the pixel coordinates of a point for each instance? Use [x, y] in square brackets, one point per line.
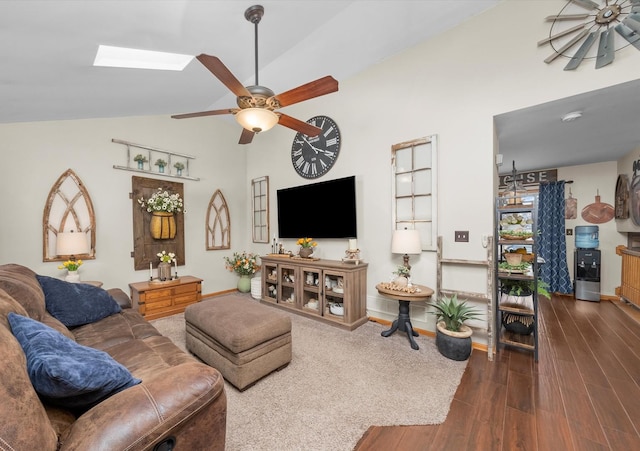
[109, 56]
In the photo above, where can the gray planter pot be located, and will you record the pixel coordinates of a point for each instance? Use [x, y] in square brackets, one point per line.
[453, 345]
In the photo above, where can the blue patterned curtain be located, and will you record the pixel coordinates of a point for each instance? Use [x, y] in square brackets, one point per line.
[552, 244]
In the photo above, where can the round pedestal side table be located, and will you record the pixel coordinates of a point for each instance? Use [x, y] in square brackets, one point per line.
[403, 322]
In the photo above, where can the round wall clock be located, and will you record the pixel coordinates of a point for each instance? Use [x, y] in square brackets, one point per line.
[313, 156]
[573, 33]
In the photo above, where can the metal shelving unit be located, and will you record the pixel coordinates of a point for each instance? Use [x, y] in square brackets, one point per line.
[516, 316]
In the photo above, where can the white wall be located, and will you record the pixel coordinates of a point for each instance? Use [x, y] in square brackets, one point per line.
[38, 153]
[452, 86]
[588, 180]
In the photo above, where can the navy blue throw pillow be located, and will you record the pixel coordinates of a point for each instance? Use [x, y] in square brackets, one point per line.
[75, 304]
[64, 372]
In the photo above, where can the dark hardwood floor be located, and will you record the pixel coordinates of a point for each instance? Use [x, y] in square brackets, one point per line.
[582, 394]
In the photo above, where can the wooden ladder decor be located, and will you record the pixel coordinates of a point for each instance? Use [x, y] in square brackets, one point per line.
[487, 296]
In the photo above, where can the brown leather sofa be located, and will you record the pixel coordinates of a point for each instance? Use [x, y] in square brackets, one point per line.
[180, 403]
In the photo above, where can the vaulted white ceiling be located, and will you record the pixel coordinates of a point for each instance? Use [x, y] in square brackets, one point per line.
[47, 49]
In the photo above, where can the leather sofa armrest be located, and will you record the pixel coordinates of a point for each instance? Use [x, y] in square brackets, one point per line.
[123, 300]
[186, 402]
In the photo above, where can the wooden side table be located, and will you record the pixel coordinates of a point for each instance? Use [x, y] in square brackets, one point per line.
[403, 322]
[158, 299]
[95, 283]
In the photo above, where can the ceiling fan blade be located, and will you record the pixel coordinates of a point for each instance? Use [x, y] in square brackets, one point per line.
[317, 88]
[577, 58]
[606, 50]
[298, 125]
[205, 113]
[246, 137]
[217, 68]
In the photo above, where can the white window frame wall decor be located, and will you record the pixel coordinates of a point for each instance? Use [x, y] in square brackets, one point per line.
[260, 209]
[414, 188]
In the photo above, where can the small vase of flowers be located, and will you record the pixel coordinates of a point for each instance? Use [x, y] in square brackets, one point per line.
[306, 246]
[403, 275]
[164, 267]
[179, 167]
[141, 159]
[72, 270]
[161, 164]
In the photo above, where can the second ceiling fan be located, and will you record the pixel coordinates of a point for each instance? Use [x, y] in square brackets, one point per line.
[257, 104]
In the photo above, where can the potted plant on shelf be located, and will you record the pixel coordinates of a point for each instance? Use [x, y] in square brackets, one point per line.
[518, 294]
[141, 159]
[245, 265]
[164, 267]
[179, 167]
[306, 247]
[161, 164]
[402, 276]
[453, 337]
[72, 267]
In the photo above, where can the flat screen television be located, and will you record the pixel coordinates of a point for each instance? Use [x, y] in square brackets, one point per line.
[319, 210]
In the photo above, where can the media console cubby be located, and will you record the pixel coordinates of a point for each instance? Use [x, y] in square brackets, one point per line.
[326, 290]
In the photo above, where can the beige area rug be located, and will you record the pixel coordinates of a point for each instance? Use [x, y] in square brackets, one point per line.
[337, 385]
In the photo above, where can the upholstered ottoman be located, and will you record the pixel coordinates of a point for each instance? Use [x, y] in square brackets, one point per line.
[242, 339]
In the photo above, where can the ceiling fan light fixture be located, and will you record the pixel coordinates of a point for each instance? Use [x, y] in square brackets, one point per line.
[257, 119]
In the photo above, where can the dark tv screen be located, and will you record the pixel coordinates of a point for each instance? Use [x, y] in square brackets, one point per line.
[319, 210]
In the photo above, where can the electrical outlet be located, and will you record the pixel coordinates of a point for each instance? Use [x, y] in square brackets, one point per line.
[569, 232]
[462, 236]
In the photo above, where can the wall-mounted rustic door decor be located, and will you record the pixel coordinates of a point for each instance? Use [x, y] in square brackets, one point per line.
[68, 208]
[145, 247]
[218, 227]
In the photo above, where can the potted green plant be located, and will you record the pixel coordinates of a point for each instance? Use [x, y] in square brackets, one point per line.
[179, 167]
[403, 273]
[453, 337]
[141, 159]
[519, 294]
[161, 164]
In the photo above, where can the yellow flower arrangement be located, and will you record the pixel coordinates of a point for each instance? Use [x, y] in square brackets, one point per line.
[306, 242]
[71, 265]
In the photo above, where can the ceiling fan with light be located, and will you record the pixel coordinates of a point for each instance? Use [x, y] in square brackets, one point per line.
[257, 104]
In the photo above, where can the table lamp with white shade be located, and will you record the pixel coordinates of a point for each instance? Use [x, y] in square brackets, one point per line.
[406, 242]
[70, 244]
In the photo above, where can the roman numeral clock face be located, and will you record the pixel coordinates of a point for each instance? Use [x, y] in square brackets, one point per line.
[313, 156]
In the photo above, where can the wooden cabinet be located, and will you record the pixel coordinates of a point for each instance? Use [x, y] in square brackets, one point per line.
[155, 300]
[326, 290]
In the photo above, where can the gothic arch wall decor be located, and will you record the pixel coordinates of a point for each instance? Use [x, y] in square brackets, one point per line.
[145, 247]
[68, 208]
[218, 227]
